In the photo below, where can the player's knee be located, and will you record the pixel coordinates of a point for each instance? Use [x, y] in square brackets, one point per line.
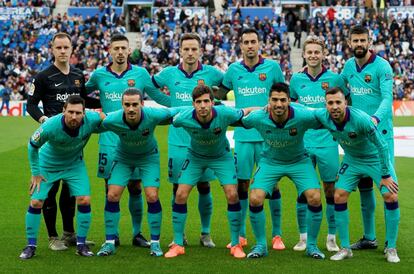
[83, 200]
[113, 196]
[313, 197]
[256, 199]
[390, 197]
[134, 187]
[181, 197]
[151, 196]
[36, 203]
[341, 196]
[232, 196]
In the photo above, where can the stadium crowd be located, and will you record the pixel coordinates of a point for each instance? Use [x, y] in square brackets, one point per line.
[220, 36]
[27, 3]
[95, 3]
[392, 39]
[24, 47]
[183, 3]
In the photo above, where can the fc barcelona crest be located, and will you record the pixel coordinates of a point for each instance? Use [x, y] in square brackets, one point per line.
[325, 85]
[131, 82]
[77, 83]
[145, 132]
[200, 82]
[367, 78]
[217, 131]
[293, 131]
[262, 76]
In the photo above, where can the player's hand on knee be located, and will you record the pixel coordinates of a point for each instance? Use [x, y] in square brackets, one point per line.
[389, 184]
[35, 183]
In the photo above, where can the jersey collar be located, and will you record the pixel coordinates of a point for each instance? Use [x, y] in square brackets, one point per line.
[346, 120]
[199, 67]
[291, 115]
[108, 68]
[205, 125]
[317, 76]
[261, 61]
[370, 60]
[137, 125]
[69, 131]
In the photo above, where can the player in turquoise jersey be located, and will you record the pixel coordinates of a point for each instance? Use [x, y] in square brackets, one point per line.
[209, 149]
[111, 81]
[308, 88]
[370, 79]
[136, 151]
[366, 154]
[61, 139]
[181, 80]
[251, 80]
[284, 154]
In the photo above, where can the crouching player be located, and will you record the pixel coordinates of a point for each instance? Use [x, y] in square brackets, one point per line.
[284, 154]
[137, 149]
[62, 139]
[209, 148]
[366, 155]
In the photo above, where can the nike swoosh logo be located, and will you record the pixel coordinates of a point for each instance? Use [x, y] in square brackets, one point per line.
[56, 85]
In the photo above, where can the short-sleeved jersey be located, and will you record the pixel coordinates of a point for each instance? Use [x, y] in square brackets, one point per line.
[208, 140]
[52, 87]
[310, 91]
[111, 86]
[60, 147]
[371, 89]
[136, 142]
[283, 143]
[358, 136]
[251, 89]
[181, 85]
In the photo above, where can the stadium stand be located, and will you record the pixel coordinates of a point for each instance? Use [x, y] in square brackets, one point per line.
[24, 42]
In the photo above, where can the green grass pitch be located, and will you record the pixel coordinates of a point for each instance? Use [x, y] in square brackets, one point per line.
[14, 184]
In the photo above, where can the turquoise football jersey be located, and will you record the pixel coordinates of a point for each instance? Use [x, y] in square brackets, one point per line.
[371, 90]
[358, 137]
[251, 89]
[310, 92]
[283, 143]
[181, 85]
[208, 140]
[136, 142]
[111, 86]
[55, 147]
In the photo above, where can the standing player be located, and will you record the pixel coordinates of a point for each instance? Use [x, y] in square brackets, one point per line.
[251, 80]
[284, 154]
[53, 86]
[308, 88]
[111, 81]
[209, 149]
[370, 79]
[181, 80]
[136, 150]
[366, 154]
[62, 139]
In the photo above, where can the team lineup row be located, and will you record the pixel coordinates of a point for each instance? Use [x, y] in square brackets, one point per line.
[251, 81]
